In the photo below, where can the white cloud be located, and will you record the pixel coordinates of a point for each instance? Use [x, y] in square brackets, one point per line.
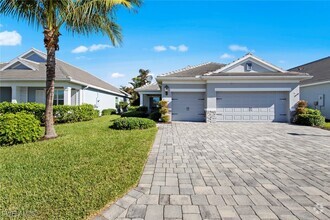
[117, 75]
[173, 48]
[10, 38]
[80, 49]
[160, 48]
[96, 47]
[182, 48]
[235, 47]
[226, 56]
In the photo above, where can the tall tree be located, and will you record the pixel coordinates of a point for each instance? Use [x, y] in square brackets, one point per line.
[76, 16]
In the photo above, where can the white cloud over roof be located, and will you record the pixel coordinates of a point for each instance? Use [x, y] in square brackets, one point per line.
[10, 38]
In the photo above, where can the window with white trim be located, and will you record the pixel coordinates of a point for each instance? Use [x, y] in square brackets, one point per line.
[58, 97]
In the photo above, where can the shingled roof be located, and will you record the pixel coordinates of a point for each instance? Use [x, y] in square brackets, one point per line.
[64, 72]
[150, 87]
[319, 69]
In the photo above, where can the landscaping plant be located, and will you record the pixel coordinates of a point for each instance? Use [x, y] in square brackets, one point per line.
[132, 123]
[307, 116]
[109, 111]
[19, 128]
[165, 117]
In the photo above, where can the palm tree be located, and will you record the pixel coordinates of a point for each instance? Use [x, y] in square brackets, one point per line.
[77, 17]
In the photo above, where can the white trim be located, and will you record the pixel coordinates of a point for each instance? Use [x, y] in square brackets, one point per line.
[187, 90]
[252, 89]
[283, 77]
[210, 109]
[184, 82]
[247, 57]
[14, 61]
[160, 78]
[95, 87]
[150, 93]
[251, 81]
[315, 84]
[38, 52]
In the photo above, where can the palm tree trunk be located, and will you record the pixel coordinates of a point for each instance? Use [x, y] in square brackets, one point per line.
[50, 40]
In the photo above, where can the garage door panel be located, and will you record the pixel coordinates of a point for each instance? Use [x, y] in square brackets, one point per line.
[252, 106]
[188, 106]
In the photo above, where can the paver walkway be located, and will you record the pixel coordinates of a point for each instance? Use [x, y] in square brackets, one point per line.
[232, 171]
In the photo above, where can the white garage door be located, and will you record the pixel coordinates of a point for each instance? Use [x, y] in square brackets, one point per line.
[188, 106]
[252, 106]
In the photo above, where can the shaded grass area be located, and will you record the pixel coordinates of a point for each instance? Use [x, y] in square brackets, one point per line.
[73, 176]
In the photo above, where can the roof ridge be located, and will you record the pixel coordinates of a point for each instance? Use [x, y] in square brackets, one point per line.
[315, 61]
[185, 68]
[149, 84]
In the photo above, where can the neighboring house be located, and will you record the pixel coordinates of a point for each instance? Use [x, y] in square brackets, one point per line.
[248, 89]
[24, 78]
[316, 91]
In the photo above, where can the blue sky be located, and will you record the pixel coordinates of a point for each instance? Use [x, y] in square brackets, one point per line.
[168, 35]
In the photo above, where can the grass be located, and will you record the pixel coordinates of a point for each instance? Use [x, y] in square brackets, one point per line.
[327, 126]
[73, 176]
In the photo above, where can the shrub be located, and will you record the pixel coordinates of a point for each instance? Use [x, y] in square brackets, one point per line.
[310, 120]
[142, 109]
[155, 116]
[67, 114]
[302, 104]
[163, 111]
[132, 108]
[18, 128]
[36, 109]
[163, 103]
[123, 106]
[132, 123]
[135, 114]
[109, 111]
[165, 118]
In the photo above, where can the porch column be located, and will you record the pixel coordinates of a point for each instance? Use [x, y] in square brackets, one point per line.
[81, 96]
[141, 99]
[14, 94]
[67, 95]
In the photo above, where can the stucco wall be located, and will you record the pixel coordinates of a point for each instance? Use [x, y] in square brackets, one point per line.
[100, 100]
[242, 68]
[311, 94]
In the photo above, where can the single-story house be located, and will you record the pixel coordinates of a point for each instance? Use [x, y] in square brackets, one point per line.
[316, 91]
[23, 79]
[248, 89]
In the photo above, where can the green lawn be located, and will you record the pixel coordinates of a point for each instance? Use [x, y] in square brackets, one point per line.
[327, 126]
[73, 176]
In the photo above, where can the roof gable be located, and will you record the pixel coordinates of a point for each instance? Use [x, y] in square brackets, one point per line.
[17, 64]
[240, 66]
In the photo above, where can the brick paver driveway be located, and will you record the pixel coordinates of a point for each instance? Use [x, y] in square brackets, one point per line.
[232, 171]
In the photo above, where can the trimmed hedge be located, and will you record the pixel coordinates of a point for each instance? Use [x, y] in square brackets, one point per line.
[132, 123]
[310, 120]
[36, 109]
[109, 111]
[69, 114]
[155, 116]
[135, 114]
[18, 128]
[62, 113]
[142, 109]
[133, 108]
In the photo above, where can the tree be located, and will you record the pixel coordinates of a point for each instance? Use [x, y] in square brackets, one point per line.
[142, 79]
[76, 16]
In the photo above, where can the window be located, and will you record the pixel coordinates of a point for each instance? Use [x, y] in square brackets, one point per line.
[58, 97]
[153, 102]
[248, 66]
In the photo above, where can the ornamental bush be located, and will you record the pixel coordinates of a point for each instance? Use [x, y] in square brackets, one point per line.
[310, 120]
[133, 108]
[69, 114]
[155, 116]
[18, 128]
[135, 114]
[132, 123]
[109, 111]
[36, 109]
[142, 109]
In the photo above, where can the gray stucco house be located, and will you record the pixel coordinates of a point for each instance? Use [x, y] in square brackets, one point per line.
[248, 89]
[23, 80]
[316, 91]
